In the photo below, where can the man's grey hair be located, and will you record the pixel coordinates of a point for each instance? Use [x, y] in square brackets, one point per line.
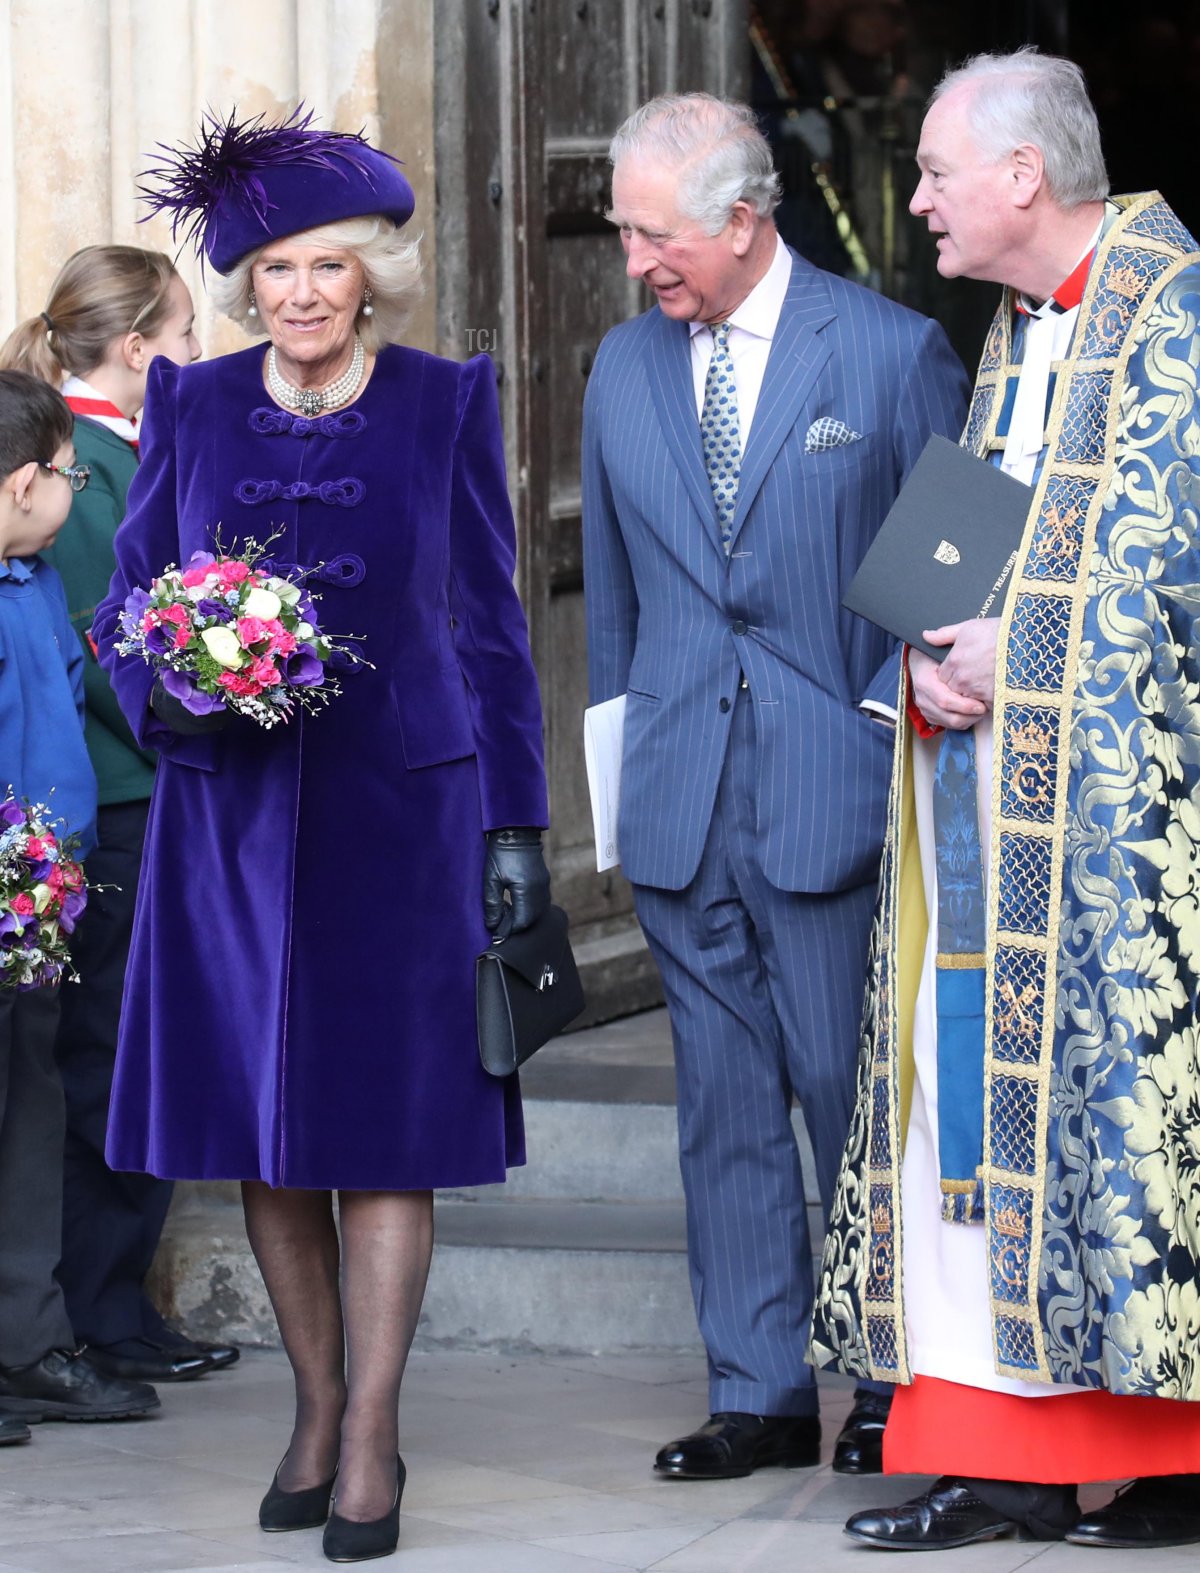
[721, 155]
[1042, 99]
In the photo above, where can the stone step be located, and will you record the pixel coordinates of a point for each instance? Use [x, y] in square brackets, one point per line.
[583, 1251]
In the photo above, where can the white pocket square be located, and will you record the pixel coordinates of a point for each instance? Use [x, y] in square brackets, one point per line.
[828, 433]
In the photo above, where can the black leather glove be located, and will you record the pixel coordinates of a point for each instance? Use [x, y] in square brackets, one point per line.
[174, 713]
[514, 862]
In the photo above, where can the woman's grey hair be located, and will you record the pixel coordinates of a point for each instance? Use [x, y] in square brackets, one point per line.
[390, 261]
[721, 155]
[1042, 99]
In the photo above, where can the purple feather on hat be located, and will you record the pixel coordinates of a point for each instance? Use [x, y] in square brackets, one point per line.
[236, 188]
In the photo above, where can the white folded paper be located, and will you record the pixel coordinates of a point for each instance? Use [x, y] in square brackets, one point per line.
[603, 736]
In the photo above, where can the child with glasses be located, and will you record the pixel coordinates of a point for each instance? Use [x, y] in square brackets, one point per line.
[43, 758]
[109, 312]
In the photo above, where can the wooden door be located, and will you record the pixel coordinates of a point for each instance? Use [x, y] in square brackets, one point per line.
[528, 93]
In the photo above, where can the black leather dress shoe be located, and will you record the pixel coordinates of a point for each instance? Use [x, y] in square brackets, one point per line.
[218, 1355]
[65, 1385]
[859, 1447]
[356, 1540]
[945, 1516]
[1159, 1510]
[147, 1360]
[733, 1444]
[12, 1429]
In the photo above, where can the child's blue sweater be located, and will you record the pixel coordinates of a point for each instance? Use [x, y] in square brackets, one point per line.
[41, 699]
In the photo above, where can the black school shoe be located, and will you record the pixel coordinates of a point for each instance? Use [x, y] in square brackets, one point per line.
[65, 1385]
[1158, 1510]
[734, 1444]
[12, 1429]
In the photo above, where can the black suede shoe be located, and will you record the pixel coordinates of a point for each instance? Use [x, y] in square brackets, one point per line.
[147, 1360]
[280, 1511]
[733, 1444]
[65, 1385]
[945, 1516]
[859, 1447]
[12, 1429]
[218, 1355]
[350, 1540]
[1158, 1510]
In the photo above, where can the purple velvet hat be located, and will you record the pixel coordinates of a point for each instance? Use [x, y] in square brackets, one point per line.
[248, 182]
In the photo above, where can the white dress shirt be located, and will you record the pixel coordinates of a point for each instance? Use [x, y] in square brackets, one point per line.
[754, 323]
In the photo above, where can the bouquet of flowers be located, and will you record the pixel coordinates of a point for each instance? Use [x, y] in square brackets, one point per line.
[226, 633]
[42, 894]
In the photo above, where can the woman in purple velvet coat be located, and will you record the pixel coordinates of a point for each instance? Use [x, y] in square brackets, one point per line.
[299, 1009]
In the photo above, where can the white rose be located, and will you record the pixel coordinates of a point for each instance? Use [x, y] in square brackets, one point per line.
[289, 594]
[222, 645]
[261, 603]
[304, 631]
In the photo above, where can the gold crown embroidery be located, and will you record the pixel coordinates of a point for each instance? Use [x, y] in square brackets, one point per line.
[1010, 1221]
[1030, 739]
[1125, 282]
[881, 1218]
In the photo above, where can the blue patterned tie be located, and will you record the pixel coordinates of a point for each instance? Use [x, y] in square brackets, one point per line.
[719, 434]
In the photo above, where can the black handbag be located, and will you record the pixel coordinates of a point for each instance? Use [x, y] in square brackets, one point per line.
[527, 989]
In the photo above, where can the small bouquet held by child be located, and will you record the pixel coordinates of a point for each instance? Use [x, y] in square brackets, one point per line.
[42, 894]
[227, 633]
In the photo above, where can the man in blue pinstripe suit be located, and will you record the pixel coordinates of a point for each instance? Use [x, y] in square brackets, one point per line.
[743, 441]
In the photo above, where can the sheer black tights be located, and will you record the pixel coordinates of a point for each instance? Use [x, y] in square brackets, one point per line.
[347, 1335]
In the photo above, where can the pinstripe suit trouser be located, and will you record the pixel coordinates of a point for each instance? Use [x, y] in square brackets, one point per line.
[764, 989]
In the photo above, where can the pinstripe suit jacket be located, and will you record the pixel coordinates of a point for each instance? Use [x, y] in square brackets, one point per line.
[667, 608]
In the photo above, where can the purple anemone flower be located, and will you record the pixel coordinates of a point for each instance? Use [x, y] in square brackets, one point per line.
[11, 812]
[218, 609]
[180, 686]
[158, 641]
[303, 669]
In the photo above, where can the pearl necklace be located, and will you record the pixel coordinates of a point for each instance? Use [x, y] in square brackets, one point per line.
[311, 401]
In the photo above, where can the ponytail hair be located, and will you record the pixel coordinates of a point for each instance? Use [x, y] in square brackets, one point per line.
[101, 294]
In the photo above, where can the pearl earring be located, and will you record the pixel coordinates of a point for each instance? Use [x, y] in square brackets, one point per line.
[252, 309]
[367, 309]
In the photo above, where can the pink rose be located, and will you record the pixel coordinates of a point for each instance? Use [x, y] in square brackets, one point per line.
[232, 573]
[264, 672]
[35, 847]
[22, 903]
[236, 683]
[194, 576]
[252, 631]
[173, 614]
[182, 635]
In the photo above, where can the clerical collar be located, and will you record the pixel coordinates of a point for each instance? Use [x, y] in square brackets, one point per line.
[1069, 293]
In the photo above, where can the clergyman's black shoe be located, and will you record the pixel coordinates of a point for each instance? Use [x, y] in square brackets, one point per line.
[65, 1385]
[12, 1429]
[733, 1444]
[147, 1360]
[355, 1540]
[1158, 1510]
[859, 1447]
[945, 1516]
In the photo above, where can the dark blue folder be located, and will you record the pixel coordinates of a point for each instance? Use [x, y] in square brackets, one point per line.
[946, 550]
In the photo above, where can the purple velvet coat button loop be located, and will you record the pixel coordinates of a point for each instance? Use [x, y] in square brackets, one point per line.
[270, 422]
[347, 492]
